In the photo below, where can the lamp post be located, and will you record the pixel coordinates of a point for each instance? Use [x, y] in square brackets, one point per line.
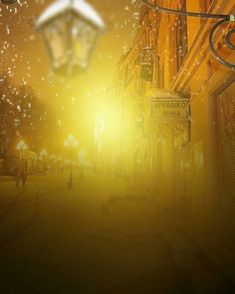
[71, 143]
[21, 147]
[82, 161]
[42, 156]
[70, 29]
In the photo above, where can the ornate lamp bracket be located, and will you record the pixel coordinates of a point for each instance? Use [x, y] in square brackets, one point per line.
[224, 19]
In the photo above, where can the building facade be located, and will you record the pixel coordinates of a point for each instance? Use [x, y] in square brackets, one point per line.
[187, 157]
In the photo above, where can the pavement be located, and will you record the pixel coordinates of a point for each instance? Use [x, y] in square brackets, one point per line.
[215, 234]
[99, 237]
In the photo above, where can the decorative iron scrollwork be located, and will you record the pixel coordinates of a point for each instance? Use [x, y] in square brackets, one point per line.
[224, 20]
[228, 42]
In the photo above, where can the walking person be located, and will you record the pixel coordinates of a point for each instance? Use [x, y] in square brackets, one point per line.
[23, 176]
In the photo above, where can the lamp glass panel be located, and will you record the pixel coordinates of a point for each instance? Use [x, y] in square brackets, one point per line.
[83, 36]
[56, 35]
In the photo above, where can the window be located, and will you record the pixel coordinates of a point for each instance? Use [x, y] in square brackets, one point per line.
[181, 36]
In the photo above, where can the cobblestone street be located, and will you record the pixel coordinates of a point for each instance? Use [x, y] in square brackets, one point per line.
[97, 238]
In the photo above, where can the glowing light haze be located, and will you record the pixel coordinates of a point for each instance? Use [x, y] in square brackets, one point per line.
[25, 59]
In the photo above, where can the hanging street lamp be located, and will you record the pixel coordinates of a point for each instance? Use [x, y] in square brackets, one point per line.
[70, 29]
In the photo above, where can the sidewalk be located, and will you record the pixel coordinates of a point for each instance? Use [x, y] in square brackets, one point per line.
[214, 234]
[9, 191]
